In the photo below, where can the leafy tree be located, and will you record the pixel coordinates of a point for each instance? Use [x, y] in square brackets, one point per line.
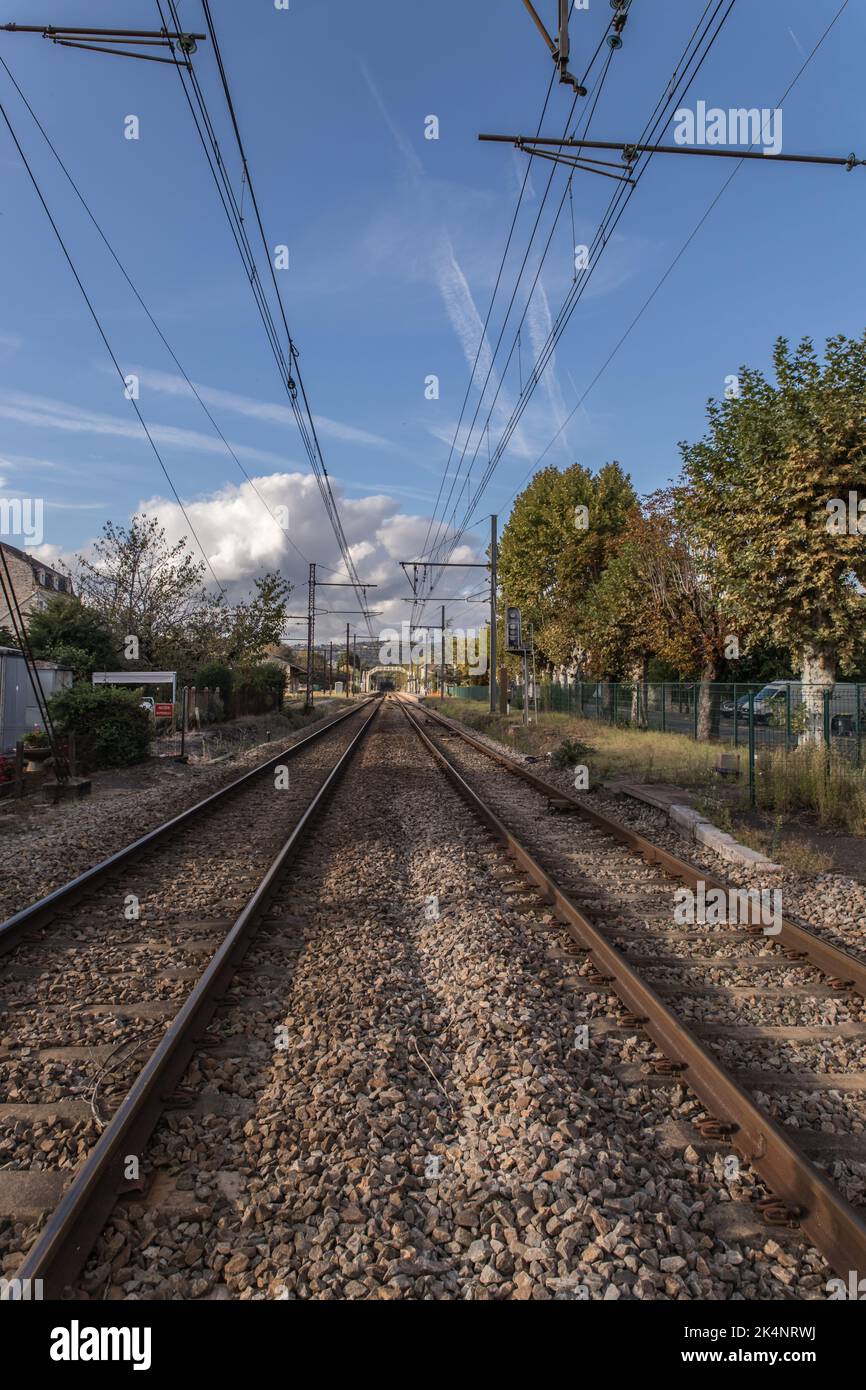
[761, 490]
[561, 532]
[141, 586]
[619, 624]
[257, 624]
[67, 632]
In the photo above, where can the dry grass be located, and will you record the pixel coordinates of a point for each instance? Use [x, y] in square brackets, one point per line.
[615, 752]
[792, 853]
[787, 783]
[807, 780]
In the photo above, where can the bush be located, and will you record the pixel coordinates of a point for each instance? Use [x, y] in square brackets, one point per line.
[215, 676]
[259, 688]
[111, 729]
[571, 752]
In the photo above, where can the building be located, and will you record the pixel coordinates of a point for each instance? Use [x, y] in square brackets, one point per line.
[19, 712]
[33, 583]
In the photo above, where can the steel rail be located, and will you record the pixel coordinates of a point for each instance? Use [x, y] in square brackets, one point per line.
[69, 1234]
[832, 960]
[814, 1205]
[46, 908]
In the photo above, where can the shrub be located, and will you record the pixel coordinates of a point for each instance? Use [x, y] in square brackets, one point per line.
[215, 676]
[571, 752]
[111, 729]
[259, 688]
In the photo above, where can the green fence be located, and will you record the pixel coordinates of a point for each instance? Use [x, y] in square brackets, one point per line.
[778, 714]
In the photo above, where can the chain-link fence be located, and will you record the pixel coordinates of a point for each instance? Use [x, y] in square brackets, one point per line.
[778, 714]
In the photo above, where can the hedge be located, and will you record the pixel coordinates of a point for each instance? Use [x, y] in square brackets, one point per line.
[111, 728]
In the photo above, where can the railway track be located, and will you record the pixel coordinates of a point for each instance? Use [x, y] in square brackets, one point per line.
[382, 1093]
[706, 997]
[128, 961]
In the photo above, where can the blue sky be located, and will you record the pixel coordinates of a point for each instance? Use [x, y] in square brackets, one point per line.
[394, 243]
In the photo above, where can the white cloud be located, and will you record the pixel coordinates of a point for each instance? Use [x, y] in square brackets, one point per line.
[242, 541]
[46, 413]
[267, 411]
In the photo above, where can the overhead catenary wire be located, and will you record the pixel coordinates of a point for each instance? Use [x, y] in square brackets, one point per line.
[608, 224]
[513, 296]
[483, 335]
[288, 366]
[121, 267]
[671, 267]
[104, 337]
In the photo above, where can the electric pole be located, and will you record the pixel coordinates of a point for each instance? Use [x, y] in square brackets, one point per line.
[442, 660]
[492, 653]
[311, 624]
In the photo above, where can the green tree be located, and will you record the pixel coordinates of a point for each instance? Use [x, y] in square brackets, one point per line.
[763, 490]
[561, 532]
[257, 623]
[145, 588]
[67, 632]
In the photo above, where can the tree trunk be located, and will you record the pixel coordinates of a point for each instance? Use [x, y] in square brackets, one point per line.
[639, 692]
[818, 674]
[709, 711]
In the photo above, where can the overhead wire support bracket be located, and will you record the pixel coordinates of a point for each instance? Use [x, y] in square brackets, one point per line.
[630, 152]
[559, 53]
[70, 37]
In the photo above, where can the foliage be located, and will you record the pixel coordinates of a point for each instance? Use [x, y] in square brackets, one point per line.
[548, 561]
[570, 753]
[260, 685]
[111, 729]
[142, 586]
[215, 676]
[67, 632]
[808, 778]
[757, 489]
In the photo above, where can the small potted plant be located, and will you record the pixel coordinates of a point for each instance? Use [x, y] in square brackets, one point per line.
[37, 749]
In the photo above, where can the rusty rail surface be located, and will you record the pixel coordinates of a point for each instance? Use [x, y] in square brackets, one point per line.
[70, 1232]
[802, 1195]
[45, 909]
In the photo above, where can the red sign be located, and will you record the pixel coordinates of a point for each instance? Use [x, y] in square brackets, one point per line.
[163, 711]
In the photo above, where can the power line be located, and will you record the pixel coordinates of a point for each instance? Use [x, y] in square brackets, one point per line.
[147, 311]
[677, 258]
[104, 338]
[608, 225]
[288, 368]
[536, 224]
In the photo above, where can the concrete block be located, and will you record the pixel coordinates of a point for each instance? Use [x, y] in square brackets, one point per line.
[713, 838]
[687, 820]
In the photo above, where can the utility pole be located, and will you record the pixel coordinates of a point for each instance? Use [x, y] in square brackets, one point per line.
[354, 658]
[311, 624]
[442, 660]
[492, 652]
[331, 667]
